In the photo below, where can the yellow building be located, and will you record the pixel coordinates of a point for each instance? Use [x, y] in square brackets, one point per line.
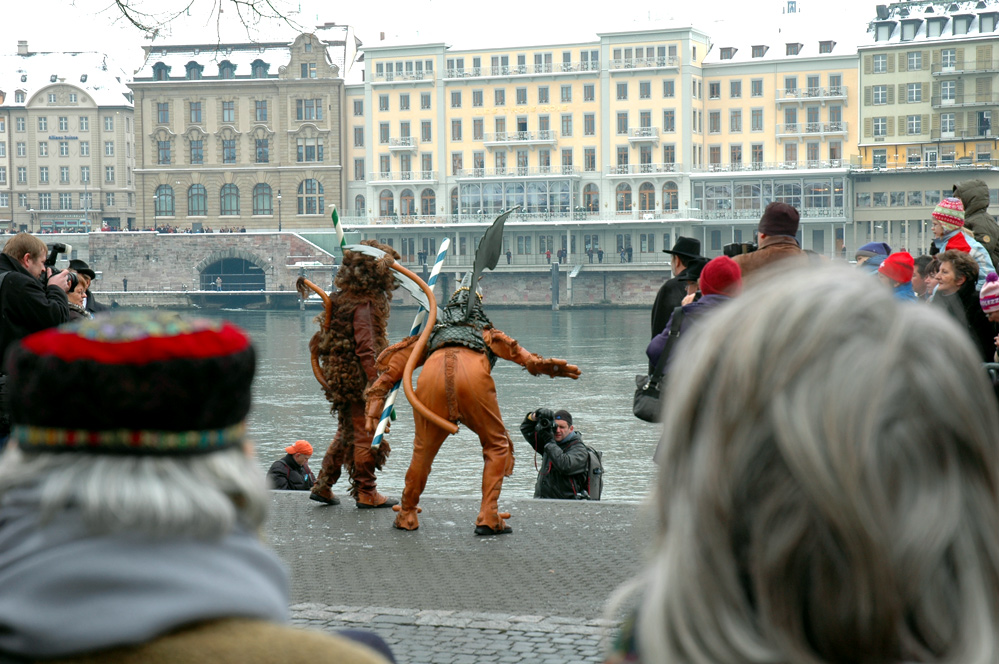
[618, 144]
[930, 80]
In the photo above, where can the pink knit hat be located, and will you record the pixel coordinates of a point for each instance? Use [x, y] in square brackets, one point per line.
[989, 297]
[950, 213]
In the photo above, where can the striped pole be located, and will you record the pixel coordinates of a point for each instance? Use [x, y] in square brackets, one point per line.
[421, 317]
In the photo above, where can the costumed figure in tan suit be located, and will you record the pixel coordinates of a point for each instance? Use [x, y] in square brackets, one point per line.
[456, 385]
[344, 350]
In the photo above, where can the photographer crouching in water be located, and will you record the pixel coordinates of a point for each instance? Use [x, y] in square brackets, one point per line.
[564, 458]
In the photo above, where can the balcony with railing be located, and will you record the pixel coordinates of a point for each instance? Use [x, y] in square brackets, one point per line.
[966, 67]
[645, 63]
[521, 70]
[403, 144]
[942, 163]
[819, 129]
[973, 99]
[809, 164]
[753, 214]
[979, 134]
[385, 177]
[409, 76]
[822, 94]
[643, 169]
[643, 135]
[508, 138]
[517, 171]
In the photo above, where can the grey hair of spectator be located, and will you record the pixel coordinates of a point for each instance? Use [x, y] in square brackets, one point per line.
[829, 490]
[203, 495]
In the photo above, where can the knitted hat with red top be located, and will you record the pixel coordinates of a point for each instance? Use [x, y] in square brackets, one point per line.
[989, 297]
[950, 213]
[898, 267]
[158, 384]
[721, 276]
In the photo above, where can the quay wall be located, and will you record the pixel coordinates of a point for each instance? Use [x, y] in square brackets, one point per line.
[164, 270]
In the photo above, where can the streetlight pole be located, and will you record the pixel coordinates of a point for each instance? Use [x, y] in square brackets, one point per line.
[279, 210]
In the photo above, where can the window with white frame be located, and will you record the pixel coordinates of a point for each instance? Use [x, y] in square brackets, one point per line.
[880, 126]
[881, 63]
[914, 124]
[880, 95]
[913, 93]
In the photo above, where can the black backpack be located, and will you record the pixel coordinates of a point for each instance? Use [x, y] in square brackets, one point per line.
[592, 480]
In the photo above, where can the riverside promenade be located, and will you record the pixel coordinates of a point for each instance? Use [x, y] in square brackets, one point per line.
[441, 595]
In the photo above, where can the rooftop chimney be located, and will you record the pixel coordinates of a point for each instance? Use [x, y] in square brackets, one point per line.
[22, 47]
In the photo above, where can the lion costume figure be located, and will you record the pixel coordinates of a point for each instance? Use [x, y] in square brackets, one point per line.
[344, 352]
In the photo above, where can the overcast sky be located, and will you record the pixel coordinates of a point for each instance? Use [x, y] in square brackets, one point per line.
[85, 25]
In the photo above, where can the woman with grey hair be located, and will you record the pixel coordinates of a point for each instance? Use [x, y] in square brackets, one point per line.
[819, 500]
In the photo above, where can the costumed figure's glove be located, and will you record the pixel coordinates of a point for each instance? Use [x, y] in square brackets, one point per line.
[374, 404]
[553, 367]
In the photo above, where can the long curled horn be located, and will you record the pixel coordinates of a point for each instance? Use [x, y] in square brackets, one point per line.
[303, 285]
[419, 348]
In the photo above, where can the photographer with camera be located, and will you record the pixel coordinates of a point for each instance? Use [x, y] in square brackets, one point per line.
[31, 299]
[564, 459]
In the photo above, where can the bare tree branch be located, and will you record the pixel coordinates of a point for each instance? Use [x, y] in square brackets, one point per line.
[153, 16]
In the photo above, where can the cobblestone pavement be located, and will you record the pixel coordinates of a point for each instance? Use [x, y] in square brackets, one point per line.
[467, 637]
[442, 595]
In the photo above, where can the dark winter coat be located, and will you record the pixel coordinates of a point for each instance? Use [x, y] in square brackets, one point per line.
[562, 472]
[691, 312]
[965, 308]
[93, 306]
[668, 298]
[27, 306]
[974, 194]
[288, 475]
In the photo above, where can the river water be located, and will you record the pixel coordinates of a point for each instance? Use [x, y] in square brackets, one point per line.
[607, 344]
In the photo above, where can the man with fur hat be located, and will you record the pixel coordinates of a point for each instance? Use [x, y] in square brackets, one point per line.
[351, 335]
[777, 243]
[896, 271]
[132, 535]
[949, 234]
[974, 195]
[671, 293]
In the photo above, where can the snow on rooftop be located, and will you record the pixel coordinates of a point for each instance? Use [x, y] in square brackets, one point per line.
[91, 72]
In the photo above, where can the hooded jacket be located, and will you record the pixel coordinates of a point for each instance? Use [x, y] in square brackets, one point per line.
[974, 194]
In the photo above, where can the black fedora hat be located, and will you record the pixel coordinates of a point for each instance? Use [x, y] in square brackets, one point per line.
[81, 267]
[685, 247]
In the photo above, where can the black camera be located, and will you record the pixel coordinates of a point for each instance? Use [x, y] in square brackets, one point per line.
[544, 420]
[50, 261]
[738, 248]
